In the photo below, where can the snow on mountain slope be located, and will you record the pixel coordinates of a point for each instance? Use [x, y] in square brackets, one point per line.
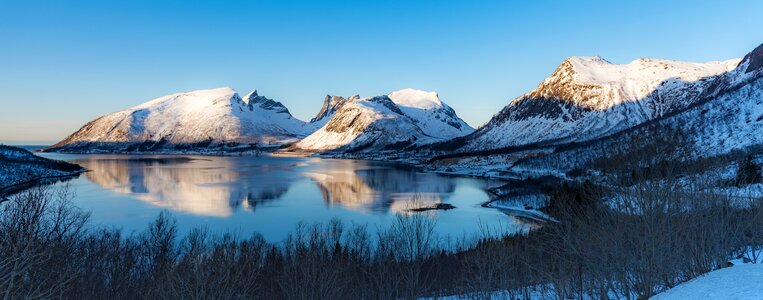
[204, 116]
[364, 124]
[402, 119]
[330, 105]
[727, 117]
[433, 116]
[273, 112]
[731, 115]
[589, 97]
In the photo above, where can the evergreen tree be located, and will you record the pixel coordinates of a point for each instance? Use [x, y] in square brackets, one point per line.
[748, 172]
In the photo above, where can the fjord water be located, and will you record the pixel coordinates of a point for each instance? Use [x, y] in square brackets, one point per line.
[272, 195]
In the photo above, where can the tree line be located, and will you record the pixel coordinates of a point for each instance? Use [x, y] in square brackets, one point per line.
[640, 241]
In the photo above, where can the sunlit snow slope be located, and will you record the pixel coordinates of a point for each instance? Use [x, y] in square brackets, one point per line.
[589, 97]
[402, 119]
[205, 116]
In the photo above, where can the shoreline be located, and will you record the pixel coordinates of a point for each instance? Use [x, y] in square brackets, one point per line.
[37, 181]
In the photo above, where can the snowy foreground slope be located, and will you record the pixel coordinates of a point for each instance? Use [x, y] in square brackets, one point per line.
[396, 121]
[189, 120]
[589, 97]
[741, 281]
[19, 168]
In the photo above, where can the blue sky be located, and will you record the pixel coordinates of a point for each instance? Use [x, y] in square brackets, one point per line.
[63, 63]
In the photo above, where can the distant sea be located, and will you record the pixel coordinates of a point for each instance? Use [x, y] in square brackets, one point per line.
[30, 147]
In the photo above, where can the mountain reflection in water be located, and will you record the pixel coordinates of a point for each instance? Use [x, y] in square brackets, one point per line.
[380, 189]
[187, 185]
[271, 195]
[219, 188]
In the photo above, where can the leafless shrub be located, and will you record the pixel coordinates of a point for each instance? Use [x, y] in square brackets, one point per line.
[38, 229]
[645, 239]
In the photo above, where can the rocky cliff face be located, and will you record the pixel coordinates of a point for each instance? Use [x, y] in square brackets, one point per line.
[330, 105]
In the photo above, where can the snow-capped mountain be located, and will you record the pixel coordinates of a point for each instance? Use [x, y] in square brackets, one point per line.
[729, 114]
[402, 119]
[275, 114]
[330, 105]
[588, 97]
[374, 123]
[726, 118]
[193, 119]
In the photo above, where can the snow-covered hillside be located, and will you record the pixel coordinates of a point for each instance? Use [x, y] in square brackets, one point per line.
[589, 97]
[402, 119]
[726, 118]
[731, 117]
[192, 119]
[20, 168]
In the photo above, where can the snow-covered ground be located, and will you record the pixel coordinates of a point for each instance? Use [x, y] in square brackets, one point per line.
[741, 281]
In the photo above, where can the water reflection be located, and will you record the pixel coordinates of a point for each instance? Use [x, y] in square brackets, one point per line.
[220, 186]
[187, 185]
[271, 195]
[379, 189]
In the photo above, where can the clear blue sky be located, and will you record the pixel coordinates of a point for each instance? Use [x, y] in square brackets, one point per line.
[63, 63]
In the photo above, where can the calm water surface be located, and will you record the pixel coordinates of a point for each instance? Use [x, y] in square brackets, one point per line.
[271, 195]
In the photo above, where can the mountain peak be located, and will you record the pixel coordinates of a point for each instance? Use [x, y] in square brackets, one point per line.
[253, 99]
[382, 100]
[416, 98]
[590, 97]
[585, 60]
[384, 122]
[196, 97]
[754, 59]
[214, 92]
[178, 121]
[331, 104]
[595, 70]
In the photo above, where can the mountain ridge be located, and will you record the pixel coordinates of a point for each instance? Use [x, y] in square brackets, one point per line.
[589, 97]
[402, 119]
[201, 117]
